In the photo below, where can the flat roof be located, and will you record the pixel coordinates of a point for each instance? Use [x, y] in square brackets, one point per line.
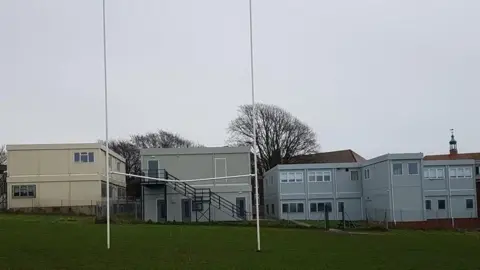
[61, 146]
[195, 151]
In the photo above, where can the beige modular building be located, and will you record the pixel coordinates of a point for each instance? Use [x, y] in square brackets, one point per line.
[61, 175]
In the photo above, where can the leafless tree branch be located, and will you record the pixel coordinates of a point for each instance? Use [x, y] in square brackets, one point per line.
[3, 155]
[280, 135]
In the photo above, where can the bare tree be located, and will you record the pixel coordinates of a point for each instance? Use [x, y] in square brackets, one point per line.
[280, 135]
[130, 150]
[131, 153]
[161, 139]
[3, 155]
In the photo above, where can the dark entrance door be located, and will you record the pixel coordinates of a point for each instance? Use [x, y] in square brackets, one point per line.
[241, 206]
[161, 211]
[186, 210]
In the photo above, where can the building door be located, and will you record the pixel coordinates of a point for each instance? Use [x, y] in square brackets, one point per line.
[161, 210]
[240, 207]
[186, 210]
[153, 168]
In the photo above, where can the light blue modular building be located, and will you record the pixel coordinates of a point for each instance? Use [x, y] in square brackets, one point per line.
[394, 187]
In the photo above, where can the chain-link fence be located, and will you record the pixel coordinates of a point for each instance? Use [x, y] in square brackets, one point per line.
[118, 207]
[462, 219]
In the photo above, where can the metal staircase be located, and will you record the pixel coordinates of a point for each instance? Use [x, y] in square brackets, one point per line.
[202, 199]
[3, 191]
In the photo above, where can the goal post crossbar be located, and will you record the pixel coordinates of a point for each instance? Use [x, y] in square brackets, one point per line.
[182, 181]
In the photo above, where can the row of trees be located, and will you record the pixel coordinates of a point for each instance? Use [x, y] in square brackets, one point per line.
[3, 155]
[280, 136]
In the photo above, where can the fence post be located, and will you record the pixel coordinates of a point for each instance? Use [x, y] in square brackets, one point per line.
[386, 219]
[327, 220]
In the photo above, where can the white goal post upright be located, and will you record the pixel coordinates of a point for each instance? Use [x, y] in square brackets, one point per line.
[254, 118]
[107, 152]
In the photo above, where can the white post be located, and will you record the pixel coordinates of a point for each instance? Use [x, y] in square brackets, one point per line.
[254, 117]
[107, 154]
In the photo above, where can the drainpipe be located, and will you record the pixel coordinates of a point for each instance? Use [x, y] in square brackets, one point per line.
[421, 188]
[307, 201]
[334, 186]
[450, 198]
[392, 196]
[360, 178]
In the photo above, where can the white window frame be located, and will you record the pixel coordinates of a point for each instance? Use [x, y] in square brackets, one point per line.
[432, 173]
[460, 172]
[298, 177]
[408, 168]
[84, 154]
[357, 173]
[26, 189]
[470, 174]
[215, 165]
[283, 177]
[319, 174]
[366, 174]
[393, 168]
[444, 202]
[473, 204]
[291, 177]
[428, 200]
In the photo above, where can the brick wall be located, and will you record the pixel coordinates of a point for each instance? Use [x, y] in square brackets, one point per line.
[458, 223]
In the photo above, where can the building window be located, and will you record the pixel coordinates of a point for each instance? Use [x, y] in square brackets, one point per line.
[467, 172]
[292, 208]
[291, 177]
[354, 175]
[461, 172]
[477, 170]
[267, 210]
[83, 157]
[197, 206]
[110, 162]
[413, 168]
[341, 206]
[313, 207]
[118, 166]
[366, 174]
[299, 177]
[428, 204]
[469, 203]
[24, 191]
[273, 208]
[397, 169]
[434, 173]
[328, 207]
[283, 177]
[300, 207]
[320, 207]
[319, 176]
[441, 204]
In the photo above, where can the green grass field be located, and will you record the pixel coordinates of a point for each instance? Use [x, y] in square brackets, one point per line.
[47, 242]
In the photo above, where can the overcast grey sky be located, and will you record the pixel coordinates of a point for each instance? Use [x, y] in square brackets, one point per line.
[373, 76]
